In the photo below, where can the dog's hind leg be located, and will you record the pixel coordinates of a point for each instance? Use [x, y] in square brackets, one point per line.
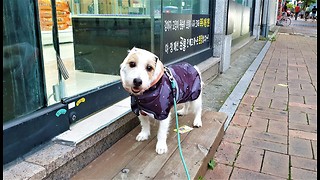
[196, 108]
[145, 128]
[163, 130]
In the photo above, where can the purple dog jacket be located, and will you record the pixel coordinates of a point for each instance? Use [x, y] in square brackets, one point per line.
[158, 99]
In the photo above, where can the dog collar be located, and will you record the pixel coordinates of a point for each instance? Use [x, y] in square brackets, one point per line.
[157, 80]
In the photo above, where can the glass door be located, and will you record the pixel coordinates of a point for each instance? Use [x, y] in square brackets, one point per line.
[23, 90]
[82, 56]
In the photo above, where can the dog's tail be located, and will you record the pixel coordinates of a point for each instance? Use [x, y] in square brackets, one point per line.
[197, 68]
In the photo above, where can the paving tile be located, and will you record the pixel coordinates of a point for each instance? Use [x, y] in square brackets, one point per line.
[276, 164]
[278, 127]
[300, 147]
[265, 136]
[226, 152]
[240, 120]
[304, 163]
[312, 119]
[262, 102]
[249, 158]
[248, 99]
[221, 171]
[253, 91]
[267, 145]
[303, 106]
[311, 100]
[314, 147]
[279, 117]
[234, 134]
[297, 99]
[307, 87]
[302, 134]
[297, 173]
[239, 173]
[278, 104]
[258, 123]
[297, 117]
[302, 127]
[273, 95]
[280, 90]
[297, 87]
[258, 78]
[244, 109]
[302, 93]
[302, 110]
[267, 110]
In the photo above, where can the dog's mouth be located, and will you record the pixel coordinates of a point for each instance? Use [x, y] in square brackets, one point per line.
[135, 90]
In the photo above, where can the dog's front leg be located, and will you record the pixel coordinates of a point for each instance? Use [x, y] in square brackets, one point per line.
[161, 146]
[145, 128]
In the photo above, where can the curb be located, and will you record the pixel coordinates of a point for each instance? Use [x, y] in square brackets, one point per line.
[232, 102]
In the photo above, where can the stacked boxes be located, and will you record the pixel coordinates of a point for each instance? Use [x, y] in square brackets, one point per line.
[63, 14]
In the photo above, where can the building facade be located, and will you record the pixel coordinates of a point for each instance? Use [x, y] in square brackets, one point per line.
[61, 58]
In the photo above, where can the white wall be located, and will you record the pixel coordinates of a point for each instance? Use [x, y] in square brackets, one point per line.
[273, 13]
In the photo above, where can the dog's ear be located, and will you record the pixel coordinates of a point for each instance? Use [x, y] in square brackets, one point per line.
[159, 67]
[129, 50]
[156, 58]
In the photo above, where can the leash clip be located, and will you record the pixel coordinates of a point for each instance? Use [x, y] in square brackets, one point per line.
[173, 82]
[169, 74]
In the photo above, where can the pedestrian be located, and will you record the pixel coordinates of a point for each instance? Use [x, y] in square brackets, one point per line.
[313, 13]
[302, 14]
[284, 9]
[296, 10]
[307, 13]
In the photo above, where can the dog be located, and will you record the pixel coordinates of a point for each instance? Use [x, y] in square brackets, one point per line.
[149, 84]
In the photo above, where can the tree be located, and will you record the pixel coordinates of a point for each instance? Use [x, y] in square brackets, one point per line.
[306, 3]
[289, 5]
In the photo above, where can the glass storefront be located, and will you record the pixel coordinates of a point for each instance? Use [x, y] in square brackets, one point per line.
[23, 90]
[240, 18]
[57, 58]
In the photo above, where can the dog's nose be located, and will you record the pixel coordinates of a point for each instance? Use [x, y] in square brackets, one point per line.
[137, 82]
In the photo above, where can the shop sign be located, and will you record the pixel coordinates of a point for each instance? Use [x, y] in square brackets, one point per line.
[185, 34]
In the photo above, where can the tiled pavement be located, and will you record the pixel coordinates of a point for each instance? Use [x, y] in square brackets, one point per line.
[273, 134]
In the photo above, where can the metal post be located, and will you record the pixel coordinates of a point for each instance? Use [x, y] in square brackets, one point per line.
[152, 24]
[265, 19]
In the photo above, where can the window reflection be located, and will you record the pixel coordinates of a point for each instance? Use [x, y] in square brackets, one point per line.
[98, 35]
[22, 78]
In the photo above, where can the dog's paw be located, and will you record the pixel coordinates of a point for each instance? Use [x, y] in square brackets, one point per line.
[142, 136]
[197, 123]
[161, 147]
[182, 112]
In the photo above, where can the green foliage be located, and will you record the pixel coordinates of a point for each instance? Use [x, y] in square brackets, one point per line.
[211, 164]
[273, 38]
[290, 5]
[200, 178]
[261, 38]
[306, 3]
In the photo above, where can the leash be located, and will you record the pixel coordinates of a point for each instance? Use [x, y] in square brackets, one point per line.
[173, 86]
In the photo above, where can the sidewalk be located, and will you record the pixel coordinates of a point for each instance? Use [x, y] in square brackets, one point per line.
[273, 134]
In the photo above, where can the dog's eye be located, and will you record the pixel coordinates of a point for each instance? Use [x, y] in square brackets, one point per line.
[149, 68]
[132, 64]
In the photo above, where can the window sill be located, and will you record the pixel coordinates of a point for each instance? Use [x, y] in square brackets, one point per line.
[94, 123]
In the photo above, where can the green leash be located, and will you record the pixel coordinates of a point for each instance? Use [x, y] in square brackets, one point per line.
[173, 85]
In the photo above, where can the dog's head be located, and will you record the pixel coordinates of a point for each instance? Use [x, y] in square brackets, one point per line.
[140, 70]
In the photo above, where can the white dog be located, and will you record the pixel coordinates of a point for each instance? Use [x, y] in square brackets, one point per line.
[147, 80]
